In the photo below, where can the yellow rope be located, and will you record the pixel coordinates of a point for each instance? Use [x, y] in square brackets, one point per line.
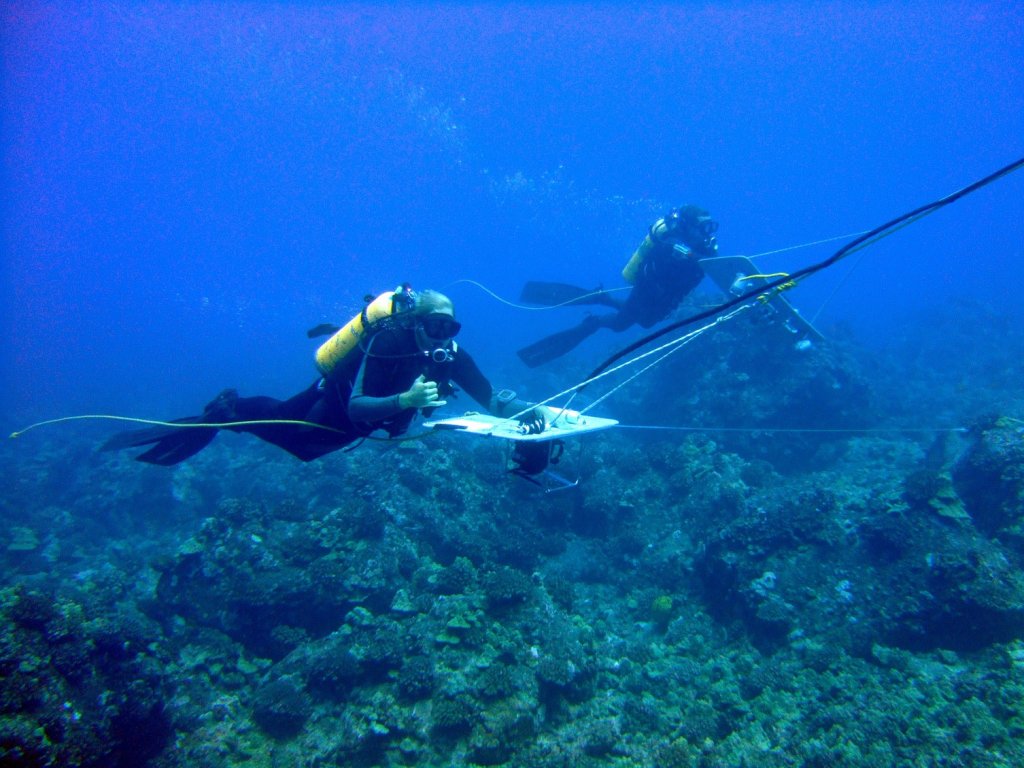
[764, 298]
[185, 425]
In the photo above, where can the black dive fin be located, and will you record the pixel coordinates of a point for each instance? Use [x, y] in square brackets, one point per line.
[559, 294]
[557, 344]
[171, 445]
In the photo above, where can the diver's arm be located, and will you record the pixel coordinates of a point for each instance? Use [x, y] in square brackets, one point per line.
[467, 375]
[502, 403]
[367, 408]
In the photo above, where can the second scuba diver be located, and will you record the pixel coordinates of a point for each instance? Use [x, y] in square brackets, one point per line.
[663, 271]
[397, 357]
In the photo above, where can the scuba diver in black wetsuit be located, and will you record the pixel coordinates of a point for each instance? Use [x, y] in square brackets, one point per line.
[663, 270]
[396, 357]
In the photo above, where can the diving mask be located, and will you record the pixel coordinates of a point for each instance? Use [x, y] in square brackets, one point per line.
[440, 327]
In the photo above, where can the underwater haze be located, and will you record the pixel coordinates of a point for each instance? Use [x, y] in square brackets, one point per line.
[188, 188]
[786, 554]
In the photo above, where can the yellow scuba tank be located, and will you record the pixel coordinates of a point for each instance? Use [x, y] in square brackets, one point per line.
[632, 268]
[335, 349]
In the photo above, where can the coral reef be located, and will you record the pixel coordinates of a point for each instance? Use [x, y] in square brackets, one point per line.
[79, 685]
[701, 599]
[989, 476]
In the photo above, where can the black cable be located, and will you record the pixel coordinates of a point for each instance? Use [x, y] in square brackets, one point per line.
[863, 240]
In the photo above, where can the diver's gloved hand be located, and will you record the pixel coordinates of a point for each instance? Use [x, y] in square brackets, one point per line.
[422, 394]
[533, 422]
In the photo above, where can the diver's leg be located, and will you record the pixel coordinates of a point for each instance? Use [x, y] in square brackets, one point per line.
[319, 407]
[617, 321]
[172, 444]
[562, 294]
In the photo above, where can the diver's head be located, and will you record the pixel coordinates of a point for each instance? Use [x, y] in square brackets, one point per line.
[435, 324]
[694, 228]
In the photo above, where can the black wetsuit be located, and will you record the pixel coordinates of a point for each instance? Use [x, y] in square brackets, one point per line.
[664, 280]
[361, 396]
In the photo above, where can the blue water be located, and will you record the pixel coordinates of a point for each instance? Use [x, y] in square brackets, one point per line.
[768, 573]
[187, 188]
